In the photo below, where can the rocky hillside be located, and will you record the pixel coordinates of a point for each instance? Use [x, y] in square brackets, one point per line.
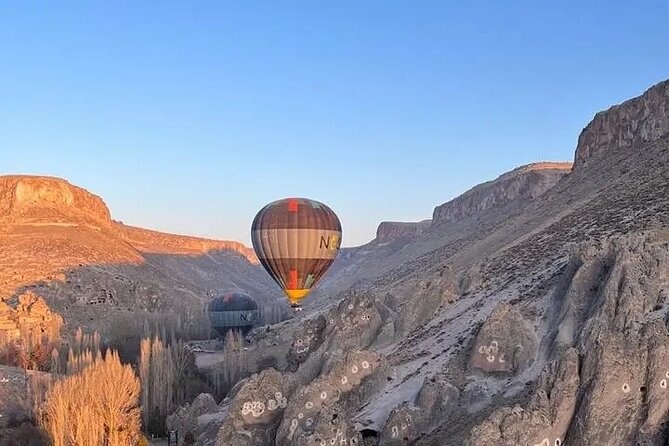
[59, 243]
[538, 322]
[470, 213]
[521, 184]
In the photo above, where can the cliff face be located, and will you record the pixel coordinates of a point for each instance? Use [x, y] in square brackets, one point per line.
[389, 230]
[642, 119]
[58, 241]
[37, 200]
[148, 241]
[526, 182]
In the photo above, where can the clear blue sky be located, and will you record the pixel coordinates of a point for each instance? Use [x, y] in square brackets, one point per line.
[189, 116]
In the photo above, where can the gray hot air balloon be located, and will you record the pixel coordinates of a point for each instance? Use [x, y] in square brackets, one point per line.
[233, 311]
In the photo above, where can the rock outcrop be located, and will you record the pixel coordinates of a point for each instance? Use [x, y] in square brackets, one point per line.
[391, 230]
[505, 343]
[547, 417]
[526, 182]
[636, 121]
[38, 200]
[31, 317]
[256, 410]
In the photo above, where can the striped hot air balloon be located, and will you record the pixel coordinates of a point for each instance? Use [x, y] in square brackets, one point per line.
[296, 240]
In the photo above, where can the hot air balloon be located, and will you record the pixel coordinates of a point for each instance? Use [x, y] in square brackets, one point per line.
[233, 311]
[296, 240]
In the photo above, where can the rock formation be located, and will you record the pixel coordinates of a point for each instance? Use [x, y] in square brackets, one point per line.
[525, 182]
[627, 125]
[389, 230]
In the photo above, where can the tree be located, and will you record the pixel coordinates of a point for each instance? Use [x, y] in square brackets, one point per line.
[97, 405]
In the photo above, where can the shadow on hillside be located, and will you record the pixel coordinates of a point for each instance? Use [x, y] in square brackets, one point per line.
[166, 293]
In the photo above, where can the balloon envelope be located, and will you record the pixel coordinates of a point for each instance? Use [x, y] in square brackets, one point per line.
[233, 311]
[296, 240]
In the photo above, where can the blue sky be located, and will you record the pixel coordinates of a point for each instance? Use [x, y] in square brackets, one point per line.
[190, 116]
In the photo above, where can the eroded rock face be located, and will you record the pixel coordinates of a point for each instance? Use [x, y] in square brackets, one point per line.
[617, 325]
[525, 182]
[505, 343]
[256, 410]
[642, 119]
[45, 199]
[31, 315]
[354, 323]
[547, 417]
[320, 411]
[185, 418]
[307, 339]
[434, 403]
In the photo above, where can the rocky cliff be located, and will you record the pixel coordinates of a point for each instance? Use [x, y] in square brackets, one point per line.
[35, 200]
[628, 125]
[389, 230]
[523, 183]
[59, 242]
[148, 241]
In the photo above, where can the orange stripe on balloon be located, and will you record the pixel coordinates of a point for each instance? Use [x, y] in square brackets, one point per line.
[292, 205]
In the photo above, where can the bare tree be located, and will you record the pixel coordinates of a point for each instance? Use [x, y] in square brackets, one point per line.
[98, 405]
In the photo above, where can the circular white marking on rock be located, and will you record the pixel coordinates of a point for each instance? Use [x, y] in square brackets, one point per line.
[663, 383]
[354, 369]
[344, 380]
[309, 405]
[626, 388]
[365, 364]
[324, 394]
[350, 306]
[300, 415]
[293, 423]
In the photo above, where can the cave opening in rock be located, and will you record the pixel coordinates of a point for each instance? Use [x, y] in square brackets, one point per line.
[369, 433]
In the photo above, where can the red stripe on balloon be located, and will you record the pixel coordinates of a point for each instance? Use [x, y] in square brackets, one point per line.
[292, 280]
[292, 205]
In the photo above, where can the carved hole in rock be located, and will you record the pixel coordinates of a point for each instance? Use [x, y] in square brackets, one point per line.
[344, 379]
[663, 383]
[324, 395]
[558, 442]
[334, 416]
[300, 415]
[369, 433]
[626, 388]
[667, 374]
[642, 389]
[394, 431]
